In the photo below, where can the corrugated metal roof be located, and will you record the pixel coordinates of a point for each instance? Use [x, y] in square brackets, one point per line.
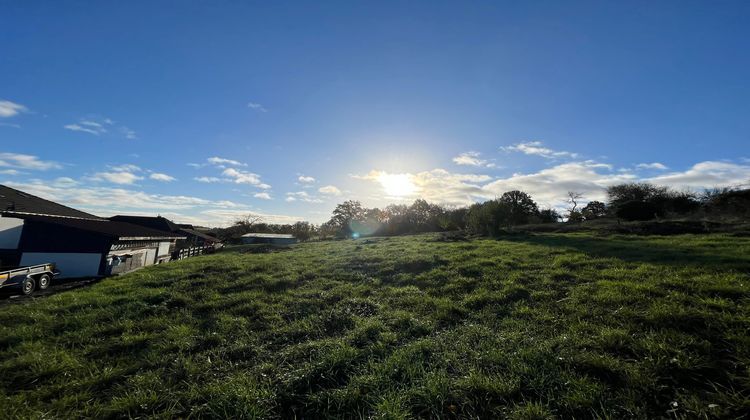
[268, 235]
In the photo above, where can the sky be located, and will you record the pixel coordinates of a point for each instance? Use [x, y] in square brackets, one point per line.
[203, 111]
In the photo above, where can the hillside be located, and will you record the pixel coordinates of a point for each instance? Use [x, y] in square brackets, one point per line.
[528, 326]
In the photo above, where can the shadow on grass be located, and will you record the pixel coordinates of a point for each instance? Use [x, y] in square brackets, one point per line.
[645, 250]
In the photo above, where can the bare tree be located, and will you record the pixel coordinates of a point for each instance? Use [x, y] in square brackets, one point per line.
[247, 221]
[573, 214]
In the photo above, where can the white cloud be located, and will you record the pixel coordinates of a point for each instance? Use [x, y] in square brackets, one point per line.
[256, 106]
[121, 178]
[221, 161]
[11, 172]
[226, 217]
[262, 195]
[128, 133]
[10, 109]
[306, 179]
[99, 126]
[77, 127]
[30, 162]
[707, 174]
[92, 124]
[536, 148]
[64, 182]
[549, 186]
[302, 196]
[437, 185]
[162, 177]
[329, 190]
[654, 165]
[209, 179]
[243, 177]
[472, 159]
[5, 124]
[128, 167]
[233, 175]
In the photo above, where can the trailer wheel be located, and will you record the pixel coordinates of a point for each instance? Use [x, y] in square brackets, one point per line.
[27, 286]
[43, 282]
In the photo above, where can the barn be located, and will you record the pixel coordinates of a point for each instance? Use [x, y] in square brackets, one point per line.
[34, 231]
[268, 238]
[194, 243]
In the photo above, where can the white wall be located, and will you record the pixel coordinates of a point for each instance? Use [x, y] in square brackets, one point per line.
[150, 257]
[10, 232]
[163, 248]
[70, 264]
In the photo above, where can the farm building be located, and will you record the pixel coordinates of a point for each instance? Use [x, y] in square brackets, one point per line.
[268, 238]
[34, 231]
[194, 242]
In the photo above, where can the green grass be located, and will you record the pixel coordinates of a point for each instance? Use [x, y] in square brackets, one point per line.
[529, 326]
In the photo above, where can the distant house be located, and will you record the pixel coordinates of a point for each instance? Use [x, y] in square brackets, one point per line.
[193, 239]
[34, 231]
[268, 238]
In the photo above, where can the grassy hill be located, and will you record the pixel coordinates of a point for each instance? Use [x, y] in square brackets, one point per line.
[529, 326]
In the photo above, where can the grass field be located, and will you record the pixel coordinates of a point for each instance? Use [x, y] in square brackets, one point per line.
[527, 326]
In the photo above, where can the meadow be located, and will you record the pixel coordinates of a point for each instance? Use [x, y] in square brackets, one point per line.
[524, 326]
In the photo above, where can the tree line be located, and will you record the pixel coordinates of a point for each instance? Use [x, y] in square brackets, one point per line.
[628, 202]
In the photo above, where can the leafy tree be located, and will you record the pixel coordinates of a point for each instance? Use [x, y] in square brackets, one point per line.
[642, 192]
[594, 210]
[303, 230]
[343, 216]
[488, 218]
[452, 219]
[549, 216]
[520, 207]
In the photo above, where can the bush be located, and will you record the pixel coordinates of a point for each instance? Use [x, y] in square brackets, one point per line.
[638, 210]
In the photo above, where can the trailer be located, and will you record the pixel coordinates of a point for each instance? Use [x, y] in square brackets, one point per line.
[28, 279]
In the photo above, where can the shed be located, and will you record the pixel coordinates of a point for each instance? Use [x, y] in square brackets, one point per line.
[268, 238]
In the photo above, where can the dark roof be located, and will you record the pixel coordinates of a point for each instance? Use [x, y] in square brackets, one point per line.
[15, 201]
[200, 235]
[112, 229]
[159, 223]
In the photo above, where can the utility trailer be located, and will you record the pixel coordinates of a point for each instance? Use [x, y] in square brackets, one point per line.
[28, 278]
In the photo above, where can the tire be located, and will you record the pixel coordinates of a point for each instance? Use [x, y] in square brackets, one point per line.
[43, 281]
[27, 286]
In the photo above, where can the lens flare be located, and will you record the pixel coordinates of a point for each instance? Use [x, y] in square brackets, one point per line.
[397, 185]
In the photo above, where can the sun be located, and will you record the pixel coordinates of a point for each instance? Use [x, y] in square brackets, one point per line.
[397, 185]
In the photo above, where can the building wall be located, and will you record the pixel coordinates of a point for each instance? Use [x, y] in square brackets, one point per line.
[141, 254]
[273, 241]
[70, 264]
[119, 264]
[164, 249]
[10, 232]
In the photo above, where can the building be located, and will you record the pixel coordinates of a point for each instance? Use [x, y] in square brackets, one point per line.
[194, 242]
[34, 231]
[268, 238]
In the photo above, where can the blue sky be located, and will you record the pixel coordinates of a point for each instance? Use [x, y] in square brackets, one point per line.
[202, 111]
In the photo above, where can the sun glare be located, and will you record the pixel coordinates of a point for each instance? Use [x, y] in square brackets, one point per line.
[397, 185]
